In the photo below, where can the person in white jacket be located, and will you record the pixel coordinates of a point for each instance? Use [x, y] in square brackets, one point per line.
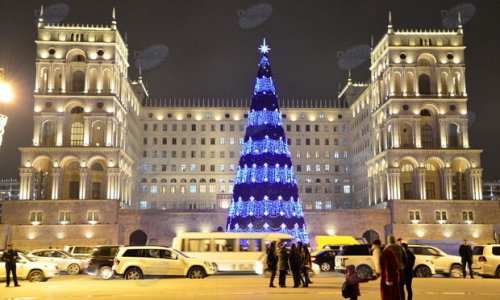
[376, 254]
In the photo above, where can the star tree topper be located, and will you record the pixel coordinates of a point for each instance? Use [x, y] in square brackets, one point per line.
[264, 48]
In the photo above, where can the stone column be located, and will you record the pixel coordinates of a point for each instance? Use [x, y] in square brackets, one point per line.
[83, 183]
[421, 183]
[370, 191]
[109, 133]
[113, 174]
[393, 183]
[383, 186]
[56, 182]
[464, 131]
[474, 186]
[442, 133]
[37, 123]
[50, 79]
[447, 179]
[375, 189]
[418, 135]
[86, 131]
[396, 139]
[25, 184]
[63, 79]
[60, 130]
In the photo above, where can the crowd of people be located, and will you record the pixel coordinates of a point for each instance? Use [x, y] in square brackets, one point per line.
[297, 261]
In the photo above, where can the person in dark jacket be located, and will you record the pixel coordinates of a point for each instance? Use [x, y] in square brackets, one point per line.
[410, 264]
[306, 265]
[10, 257]
[282, 264]
[352, 277]
[465, 252]
[272, 262]
[295, 264]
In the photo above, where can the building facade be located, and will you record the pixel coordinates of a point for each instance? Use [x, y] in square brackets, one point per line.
[391, 155]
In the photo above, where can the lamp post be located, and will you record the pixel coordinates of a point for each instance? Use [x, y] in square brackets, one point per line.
[6, 95]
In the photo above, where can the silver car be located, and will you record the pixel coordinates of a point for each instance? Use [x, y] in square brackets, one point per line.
[64, 261]
[30, 269]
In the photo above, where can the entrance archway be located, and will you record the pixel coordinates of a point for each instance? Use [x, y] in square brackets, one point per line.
[138, 238]
[370, 236]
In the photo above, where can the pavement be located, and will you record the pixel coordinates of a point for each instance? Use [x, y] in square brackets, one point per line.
[222, 287]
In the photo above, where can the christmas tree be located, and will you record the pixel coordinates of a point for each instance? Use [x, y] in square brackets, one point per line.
[265, 195]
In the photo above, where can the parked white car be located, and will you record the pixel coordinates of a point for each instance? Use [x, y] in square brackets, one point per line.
[361, 258]
[64, 261]
[486, 260]
[29, 269]
[135, 262]
[447, 265]
[79, 251]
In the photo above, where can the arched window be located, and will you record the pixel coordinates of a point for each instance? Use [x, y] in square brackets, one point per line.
[93, 81]
[98, 134]
[58, 80]
[409, 84]
[163, 180]
[407, 181]
[48, 134]
[192, 180]
[154, 180]
[406, 135]
[78, 81]
[427, 136]
[424, 84]
[397, 84]
[183, 180]
[77, 110]
[444, 84]
[203, 180]
[106, 84]
[76, 134]
[318, 180]
[212, 180]
[456, 83]
[97, 167]
[44, 80]
[453, 136]
[425, 113]
[173, 180]
[144, 180]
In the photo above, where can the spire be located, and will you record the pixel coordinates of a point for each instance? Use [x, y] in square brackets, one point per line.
[140, 74]
[389, 25]
[113, 19]
[349, 79]
[40, 18]
[459, 24]
[371, 45]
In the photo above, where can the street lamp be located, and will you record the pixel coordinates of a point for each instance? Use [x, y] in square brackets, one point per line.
[6, 96]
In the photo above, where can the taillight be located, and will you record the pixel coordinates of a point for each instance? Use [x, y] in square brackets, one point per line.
[482, 259]
[116, 261]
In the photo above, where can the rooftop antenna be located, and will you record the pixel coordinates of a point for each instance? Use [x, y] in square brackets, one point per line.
[389, 25]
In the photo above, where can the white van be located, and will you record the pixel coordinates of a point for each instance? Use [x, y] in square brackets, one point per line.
[231, 251]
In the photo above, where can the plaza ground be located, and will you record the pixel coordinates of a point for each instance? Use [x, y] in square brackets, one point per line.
[220, 287]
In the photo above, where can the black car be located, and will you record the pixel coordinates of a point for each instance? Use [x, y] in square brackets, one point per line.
[101, 261]
[326, 259]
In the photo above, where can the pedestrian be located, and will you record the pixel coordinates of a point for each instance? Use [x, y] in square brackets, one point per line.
[465, 252]
[10, 256]
[272, 262]
[376, 254]
[400, 253]
[389, 272]
[410, 264]
[351, 276]
[282, 264]
[295, 265]
[306, 266]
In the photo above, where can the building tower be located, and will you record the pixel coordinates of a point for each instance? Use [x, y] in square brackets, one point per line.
[85, 116]
[417, 100]
[265, 197]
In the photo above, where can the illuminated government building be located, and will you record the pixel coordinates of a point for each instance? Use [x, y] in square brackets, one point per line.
[109, 160]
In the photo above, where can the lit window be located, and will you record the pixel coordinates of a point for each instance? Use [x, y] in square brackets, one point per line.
[468, 216]
[203, 188]
[308, 168]
[414, 216]
[36, 216]
[327, 168]
[193, 168]
[318, 168]
[144, 188]
[318, 205]
[64, 216]
[143, 205]
[93, 216]
[222, 141]
[231, 141]
[183, 168]
[192, 189]
[211, 189]
[172, 189]
[222, 189]
[222, 168]
[76, 134]
[347, 189]
[231, 167]
[336, 154]
[441, 216]
[328, 205]
[154, 189]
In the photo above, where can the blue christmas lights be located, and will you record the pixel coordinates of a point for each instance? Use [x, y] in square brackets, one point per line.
[256, 118]
[266, 173]
[264, 85]
[265, 195]
[265, 146]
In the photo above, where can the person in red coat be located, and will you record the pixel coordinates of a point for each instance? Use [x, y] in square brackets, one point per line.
[389, 267]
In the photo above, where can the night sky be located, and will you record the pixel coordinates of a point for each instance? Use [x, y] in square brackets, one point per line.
[211, 55]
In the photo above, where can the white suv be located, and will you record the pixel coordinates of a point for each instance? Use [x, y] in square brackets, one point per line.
[361, 258]
[448, 265]
[486, 260]
[134, 262]
[30, 269]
